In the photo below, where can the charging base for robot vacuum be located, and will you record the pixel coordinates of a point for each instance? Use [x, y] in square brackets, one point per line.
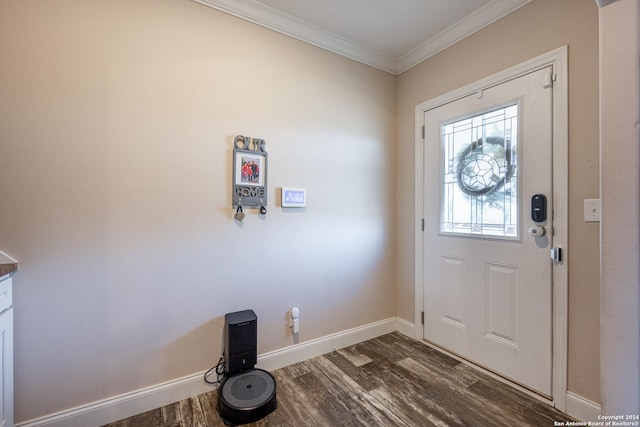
[246, 397]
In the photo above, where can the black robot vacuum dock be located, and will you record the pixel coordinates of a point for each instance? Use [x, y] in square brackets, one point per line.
[246, 394]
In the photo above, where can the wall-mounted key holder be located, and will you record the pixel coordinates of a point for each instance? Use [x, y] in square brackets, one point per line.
[249, 173]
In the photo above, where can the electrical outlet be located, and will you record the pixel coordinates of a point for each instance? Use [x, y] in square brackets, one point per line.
[592, 210]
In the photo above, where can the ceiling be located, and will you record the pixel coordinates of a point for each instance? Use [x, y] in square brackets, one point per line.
[392, 35]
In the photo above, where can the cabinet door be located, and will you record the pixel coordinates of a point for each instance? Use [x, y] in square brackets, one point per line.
[6, 368]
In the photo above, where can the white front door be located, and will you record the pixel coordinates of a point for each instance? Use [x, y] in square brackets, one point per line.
[487, 276]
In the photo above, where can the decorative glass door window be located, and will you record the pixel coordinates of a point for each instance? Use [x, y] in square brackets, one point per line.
[480, 181]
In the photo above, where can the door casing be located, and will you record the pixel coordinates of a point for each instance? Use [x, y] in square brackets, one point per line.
[557, 59]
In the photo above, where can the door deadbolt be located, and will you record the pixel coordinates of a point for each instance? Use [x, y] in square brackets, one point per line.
[538, 208]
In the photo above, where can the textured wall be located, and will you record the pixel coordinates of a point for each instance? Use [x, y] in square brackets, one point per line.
[620, 156]
[116, 129]
[536, 28]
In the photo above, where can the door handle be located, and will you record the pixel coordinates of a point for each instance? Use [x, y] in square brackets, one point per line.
[537, 231]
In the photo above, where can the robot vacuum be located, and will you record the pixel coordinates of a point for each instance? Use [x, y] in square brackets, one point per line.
[247, 397]
[246, 394]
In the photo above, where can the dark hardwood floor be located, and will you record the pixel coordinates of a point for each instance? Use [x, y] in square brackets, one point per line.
[387, 381]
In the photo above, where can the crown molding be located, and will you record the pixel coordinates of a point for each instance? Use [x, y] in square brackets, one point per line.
[476, 21]
[302, 30]
[291, 26]
[603, 3]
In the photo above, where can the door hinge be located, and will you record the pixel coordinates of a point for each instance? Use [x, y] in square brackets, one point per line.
[422, 224]
[422, 317]
[422, 131]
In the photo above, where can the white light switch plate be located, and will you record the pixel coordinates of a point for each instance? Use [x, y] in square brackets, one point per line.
[592, 210]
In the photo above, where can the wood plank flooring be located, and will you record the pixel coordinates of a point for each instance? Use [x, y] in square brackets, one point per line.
[391, 380]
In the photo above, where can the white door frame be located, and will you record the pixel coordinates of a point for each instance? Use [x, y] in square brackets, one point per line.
[560, 117]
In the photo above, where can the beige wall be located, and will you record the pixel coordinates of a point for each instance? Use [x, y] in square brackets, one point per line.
[620, 189]
[115, 145]
[116, 128]
[537, 28]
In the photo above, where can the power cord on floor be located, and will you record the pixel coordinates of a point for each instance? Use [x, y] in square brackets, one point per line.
[218, 369]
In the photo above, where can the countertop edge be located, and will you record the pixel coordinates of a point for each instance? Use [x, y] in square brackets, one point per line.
[6, 269]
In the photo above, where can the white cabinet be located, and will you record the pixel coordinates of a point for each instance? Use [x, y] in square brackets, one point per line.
[6, 352]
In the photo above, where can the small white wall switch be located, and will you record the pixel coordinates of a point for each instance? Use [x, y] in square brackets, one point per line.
[592, 210]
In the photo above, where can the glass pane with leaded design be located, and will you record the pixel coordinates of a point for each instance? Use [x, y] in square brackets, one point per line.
[480, 181]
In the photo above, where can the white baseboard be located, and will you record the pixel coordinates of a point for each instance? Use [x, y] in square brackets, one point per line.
[582, 409]
[125, 405]
[297, 353]
[129, 404]
[406, 328]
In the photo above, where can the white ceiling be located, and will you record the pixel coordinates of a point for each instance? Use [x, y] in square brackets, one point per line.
[392, 35]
